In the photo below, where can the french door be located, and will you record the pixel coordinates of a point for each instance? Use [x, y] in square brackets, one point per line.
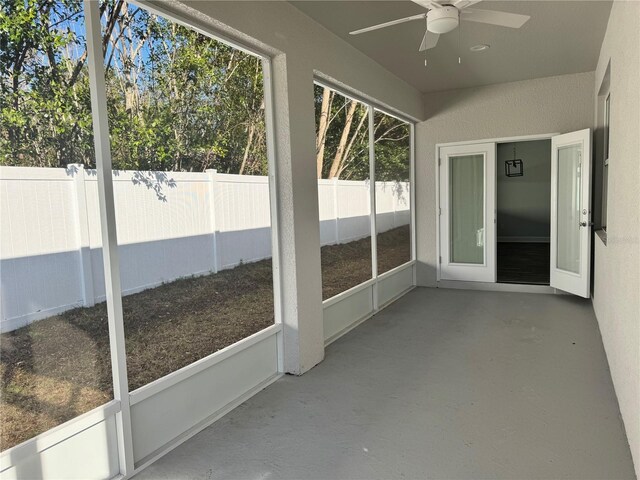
[468, 216]
[468, 212]
[571, 212]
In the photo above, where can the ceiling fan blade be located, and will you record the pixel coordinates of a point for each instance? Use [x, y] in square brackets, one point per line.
[460, 4]
[428, 4]
[503, 19]
[429, 41]
[420, 16]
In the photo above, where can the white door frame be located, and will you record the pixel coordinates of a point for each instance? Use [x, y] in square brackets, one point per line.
[521, 138]
[575, 283]
[475, 272]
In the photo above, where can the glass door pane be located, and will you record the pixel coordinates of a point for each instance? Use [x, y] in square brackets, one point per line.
[568, 218]
[466, 186]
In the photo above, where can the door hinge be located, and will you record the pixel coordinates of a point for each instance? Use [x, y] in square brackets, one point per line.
[439, 210]
[439, 161]
[440, 259]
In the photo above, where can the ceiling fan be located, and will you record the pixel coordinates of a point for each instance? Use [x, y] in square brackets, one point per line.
[444, 17]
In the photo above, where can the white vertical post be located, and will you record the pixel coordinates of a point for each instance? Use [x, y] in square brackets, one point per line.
[109, 240]
[84, 246]
[372, 199]
[336, 210]
[290, 108]
[412, 198]
[213, 189]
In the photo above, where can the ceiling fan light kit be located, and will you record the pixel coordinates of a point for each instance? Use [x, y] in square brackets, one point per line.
[445, 17]
[442, 20]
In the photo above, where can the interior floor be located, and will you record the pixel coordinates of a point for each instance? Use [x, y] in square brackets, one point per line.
[441, 384]
[523, 263]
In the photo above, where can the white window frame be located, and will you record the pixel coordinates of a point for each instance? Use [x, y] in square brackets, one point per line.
[606, 154]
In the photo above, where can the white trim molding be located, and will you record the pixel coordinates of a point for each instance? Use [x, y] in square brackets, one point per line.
[70, 428]
[194, 368]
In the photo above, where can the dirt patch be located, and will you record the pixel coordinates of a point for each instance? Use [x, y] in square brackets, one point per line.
[349, 264]
[58, 368]
[394, 248]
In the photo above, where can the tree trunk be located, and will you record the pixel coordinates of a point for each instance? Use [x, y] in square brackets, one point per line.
[347, 150]
[323, 126]
[247, 148]
[337, 160]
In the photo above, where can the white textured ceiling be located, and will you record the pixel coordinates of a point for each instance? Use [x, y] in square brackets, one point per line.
[561, 37]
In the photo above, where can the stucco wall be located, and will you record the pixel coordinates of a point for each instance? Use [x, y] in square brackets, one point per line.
[616, 297]
[545, 105]
[300, 48]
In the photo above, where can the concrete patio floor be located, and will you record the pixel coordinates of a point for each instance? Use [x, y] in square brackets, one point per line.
[441, 384]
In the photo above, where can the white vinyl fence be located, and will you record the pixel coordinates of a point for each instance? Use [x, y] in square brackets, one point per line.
[169, 225]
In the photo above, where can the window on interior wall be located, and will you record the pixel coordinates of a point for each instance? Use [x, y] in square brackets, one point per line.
[55, 357]
[605, 168]
[191, 190]
[342, 167]
[392, 147]
[601, 154]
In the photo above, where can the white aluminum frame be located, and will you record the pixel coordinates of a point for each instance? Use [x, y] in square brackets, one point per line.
[371, 108]
[120, 406]
[373, 223]
[374, 281]
[57, 434]
[150, 389]
[412, 199]
[324, 81]
[113, 290]
[347, 297]
[276, 265]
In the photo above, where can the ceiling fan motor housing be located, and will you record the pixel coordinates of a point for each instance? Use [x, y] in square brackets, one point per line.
[442, 20]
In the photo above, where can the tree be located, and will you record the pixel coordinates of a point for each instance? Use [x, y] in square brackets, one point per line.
[323, 125]
[177, 100]
[342, 150]
[44, 96]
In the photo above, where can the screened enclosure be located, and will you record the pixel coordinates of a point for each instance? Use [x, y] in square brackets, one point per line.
[356, 143]
[137, 239]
